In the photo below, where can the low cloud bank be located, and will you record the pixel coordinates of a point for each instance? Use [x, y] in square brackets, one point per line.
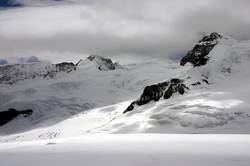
[54, 30]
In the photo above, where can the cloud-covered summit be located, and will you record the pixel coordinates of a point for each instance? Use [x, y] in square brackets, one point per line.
[69, 29]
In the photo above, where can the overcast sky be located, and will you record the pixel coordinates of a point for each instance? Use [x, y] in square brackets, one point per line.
[72, 29]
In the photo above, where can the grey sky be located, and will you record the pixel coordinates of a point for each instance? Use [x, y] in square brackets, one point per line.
[75, 28]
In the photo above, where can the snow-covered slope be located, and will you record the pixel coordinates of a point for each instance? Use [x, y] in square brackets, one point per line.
[55, 99]
[10, 74]
[217, 99]
[90, 100]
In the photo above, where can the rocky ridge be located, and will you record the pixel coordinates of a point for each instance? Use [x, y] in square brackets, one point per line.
[157, 91]
[10, 74]
[13, 73]
[198, 56]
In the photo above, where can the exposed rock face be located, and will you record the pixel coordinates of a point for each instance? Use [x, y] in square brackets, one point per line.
[10, 74]
[104, 64]
[152, 92]
[198, 55]
[11, 113]
[157, 91]
[176, 86]
[66, 67]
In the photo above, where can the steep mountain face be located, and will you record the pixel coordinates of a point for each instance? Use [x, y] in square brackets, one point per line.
[198, 55]
[216, 99]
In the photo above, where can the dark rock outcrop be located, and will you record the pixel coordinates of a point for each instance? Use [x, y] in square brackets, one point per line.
[196, 83]
[152, 92]
[11, 113]
[66, 67]
[157, 91]
[176, 86]
[198, 55]
[104, 64]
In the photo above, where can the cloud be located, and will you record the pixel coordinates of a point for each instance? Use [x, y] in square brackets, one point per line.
[71, 29]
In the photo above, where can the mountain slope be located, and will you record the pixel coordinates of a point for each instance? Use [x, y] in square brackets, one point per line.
[215, 100]
[55, 99]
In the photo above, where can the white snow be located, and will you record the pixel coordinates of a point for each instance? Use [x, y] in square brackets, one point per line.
[75, 113]
[89, 101]
[135, 150]
[85, 91]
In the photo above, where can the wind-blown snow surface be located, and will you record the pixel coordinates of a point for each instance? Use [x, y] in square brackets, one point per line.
[137, 150]
[89, 101]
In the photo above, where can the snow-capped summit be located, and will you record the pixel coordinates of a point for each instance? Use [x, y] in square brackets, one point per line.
[210, 97]
[103, 64]
[227, 59]
[198, 55]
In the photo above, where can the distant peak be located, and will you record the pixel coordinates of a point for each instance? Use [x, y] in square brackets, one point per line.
[104, 64]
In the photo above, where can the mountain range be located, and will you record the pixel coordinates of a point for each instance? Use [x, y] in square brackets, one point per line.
[206, 92]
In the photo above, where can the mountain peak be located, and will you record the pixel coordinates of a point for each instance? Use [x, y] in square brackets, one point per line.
[212, 36]
[198, 55]
[104, 64]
